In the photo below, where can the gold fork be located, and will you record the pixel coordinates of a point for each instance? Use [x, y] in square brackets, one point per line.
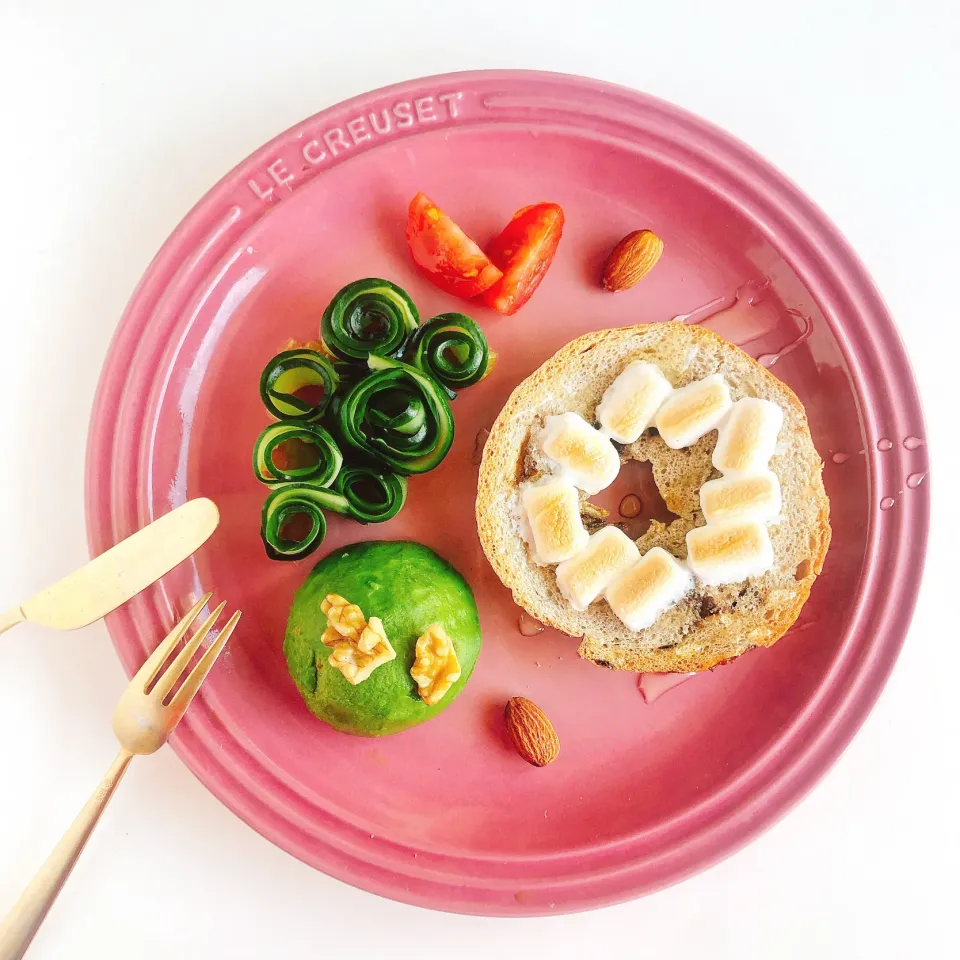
[142, 722]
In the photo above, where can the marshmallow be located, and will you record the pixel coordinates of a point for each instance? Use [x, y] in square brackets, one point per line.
[692, 411]
[586, 575]
[630, 403]
[755, 497]
[553, 513]
[590, 460]
[729, 552]
[748, 437]
[652, 585]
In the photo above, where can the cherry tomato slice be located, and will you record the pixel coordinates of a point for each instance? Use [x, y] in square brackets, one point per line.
[445, 253]
[524, 252]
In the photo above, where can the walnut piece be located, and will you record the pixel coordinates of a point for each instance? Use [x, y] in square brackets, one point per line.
[344, 619]
[436, 668]
[359, 645]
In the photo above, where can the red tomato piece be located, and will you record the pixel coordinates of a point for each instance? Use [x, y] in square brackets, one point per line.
[524, 252]
[452, 260]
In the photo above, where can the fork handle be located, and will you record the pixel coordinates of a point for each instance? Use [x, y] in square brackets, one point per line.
[10, 618]
[22, 922]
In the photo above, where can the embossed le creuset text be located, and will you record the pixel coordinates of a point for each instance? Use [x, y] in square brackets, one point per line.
[282, 174]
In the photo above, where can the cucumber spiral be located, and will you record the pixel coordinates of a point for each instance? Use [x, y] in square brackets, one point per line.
[371, 317]
[290, 451]
[452, 349]
[373, 495]
[363, 493]
[359, 413]
[295, 371]
[398, 416]
[292, 500]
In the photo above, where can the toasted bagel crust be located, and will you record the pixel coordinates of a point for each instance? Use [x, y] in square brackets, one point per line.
[713, 624]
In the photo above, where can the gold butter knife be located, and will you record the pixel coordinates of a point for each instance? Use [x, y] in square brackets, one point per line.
[121, 572]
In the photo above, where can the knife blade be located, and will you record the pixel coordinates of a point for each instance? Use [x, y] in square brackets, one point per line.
[121, 572]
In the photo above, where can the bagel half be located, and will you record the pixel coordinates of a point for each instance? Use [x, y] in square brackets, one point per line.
[712, 624]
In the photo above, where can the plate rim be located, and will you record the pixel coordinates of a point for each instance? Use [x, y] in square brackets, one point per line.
[191, 250]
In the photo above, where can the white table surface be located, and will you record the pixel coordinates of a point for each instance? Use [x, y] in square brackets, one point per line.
[115, 119]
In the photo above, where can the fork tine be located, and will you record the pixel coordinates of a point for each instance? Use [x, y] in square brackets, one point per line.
[169, 677]
[153, 663]
[198, 674]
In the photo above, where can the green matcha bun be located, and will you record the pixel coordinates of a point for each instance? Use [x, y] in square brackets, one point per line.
[409, 588]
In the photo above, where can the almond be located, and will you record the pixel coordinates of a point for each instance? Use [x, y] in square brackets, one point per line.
[531, 732]
[632, 259]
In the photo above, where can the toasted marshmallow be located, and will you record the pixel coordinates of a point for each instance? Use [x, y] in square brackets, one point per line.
[631, 402]
[553, 515]
[590, 460]
[748, 436]
[736, 499]
[648, 588]
[690, 412]
[586, 575]
[729, 552]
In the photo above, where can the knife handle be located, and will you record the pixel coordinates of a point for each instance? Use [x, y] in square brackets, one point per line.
[10, 619]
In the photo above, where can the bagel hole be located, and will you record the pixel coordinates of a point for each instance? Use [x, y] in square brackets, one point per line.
[633, 500]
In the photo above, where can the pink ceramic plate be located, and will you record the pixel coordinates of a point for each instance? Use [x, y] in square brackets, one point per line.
[447, 815]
